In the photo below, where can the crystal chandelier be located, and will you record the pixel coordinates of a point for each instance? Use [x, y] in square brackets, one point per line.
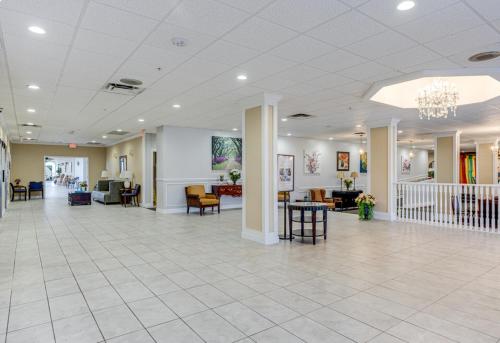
[437, 100]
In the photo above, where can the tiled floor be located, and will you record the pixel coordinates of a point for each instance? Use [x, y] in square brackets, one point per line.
[95, 274]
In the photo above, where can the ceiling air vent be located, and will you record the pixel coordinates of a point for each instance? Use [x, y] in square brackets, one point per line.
[484, 56]
[300, 116]
[123, 89]
[93, 143]
[119, 133]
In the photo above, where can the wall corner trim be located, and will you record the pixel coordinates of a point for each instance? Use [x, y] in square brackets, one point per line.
[260, 237]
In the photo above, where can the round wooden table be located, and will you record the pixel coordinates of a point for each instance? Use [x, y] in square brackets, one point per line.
[304, 208]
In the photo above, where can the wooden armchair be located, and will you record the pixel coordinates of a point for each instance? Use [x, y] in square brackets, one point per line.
[319, 195]
[196, 197]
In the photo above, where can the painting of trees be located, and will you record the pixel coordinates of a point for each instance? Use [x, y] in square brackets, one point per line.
[226, 153]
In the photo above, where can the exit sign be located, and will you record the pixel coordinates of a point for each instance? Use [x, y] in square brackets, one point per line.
[72, 145]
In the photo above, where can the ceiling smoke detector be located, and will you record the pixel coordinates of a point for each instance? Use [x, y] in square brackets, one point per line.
[300, 116]
[131, 82]
[179, 42]
[484, 56]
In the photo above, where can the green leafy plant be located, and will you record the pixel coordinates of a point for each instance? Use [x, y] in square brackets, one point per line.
[234, 175]
[348, 183]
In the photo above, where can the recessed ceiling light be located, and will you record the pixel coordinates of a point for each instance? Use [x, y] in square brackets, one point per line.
[140, 120]
[235, 129]
[359, 125]
[331, 138]
[406, 5]
[242, 77]
[34, 87]
[364, 142]
[284, 119]
[104, 137]
[28, 132]
[37, 29]
[413, 146]
[289, 134]
[119, 130]
[400, 131]
[31, 110]
[30, 124]
[176, 106]
[94, 141]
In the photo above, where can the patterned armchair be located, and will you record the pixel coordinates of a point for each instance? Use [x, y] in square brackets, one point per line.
[319, 195]
[196, 197]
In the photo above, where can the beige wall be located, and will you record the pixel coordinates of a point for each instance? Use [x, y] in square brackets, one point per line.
[379, 162]
[28, 160]
[133, 150]
[484, 161]
[444, 159]
[253, 168]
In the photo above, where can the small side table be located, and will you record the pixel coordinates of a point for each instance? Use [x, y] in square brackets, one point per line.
[304, 207]
[79, 198]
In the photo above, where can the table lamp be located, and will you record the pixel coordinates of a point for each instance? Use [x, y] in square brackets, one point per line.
[354, 175]
[341, 177]
[105, 174]
[127, 175]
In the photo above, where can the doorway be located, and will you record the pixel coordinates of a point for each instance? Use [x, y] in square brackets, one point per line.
[63, 174]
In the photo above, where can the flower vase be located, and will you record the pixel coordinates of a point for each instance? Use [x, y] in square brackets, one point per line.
[365, 212]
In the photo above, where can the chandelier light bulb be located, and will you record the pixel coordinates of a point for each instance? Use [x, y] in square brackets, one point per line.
[437, 100]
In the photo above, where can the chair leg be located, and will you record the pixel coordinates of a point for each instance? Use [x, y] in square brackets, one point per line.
[201, 211]
[218, 208]
[188, 209]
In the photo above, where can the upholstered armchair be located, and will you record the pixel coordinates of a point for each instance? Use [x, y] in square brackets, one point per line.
[319, 195]
[283, 196]
[196, 197]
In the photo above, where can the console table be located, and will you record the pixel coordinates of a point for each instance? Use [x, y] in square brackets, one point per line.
[348, 198]
[230, 190]
[79, 198]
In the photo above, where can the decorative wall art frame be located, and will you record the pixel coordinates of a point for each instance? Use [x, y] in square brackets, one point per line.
[312, 163]
[343, 160]
[405, 165]
[122, 163]
[363, 162]
[227, 153]
[286, 173]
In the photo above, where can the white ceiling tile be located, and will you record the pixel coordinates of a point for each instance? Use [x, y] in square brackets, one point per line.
[206, 16]
[195, 41]
[387, 13]
[101, 43]
[335, 61]
[347, 29]
[439, 64]
[66, 11]
[259, 34]
[273, 83]
[490, 9]
[441, 23]
[249, 6]
[264, 66]
[476, 37]
[365, 71]
[158, 57]
[407, 58]
[131, 69]
[302, 15]
[329, 81]
[17, 24]
[381, 44]
[300, 73]
[117, 23]
[300, 89]
[155, 9]
[227, 53]
[301, 49]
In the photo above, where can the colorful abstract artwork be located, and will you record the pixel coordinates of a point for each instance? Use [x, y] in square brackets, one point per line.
[226, 153]
[363, 162]
[312, 163]
[343, 161]
[405, 165]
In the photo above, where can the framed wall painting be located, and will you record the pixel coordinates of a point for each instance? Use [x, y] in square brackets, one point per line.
[363, 163]
[286, 173]
[122, 164]
[343, 161]
[227, 153]
[405, 165]
[312, 163]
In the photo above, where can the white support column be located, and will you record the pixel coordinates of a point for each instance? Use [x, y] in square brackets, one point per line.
[260, 203]
[486, 161]
[161, 170]
[382, 168]
[148, 143]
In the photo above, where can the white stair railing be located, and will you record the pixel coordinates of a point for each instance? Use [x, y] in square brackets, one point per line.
[473, 207]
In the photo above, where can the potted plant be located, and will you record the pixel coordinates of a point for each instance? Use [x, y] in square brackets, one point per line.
[83, 186]
[234, 175]
[17, 181]
[221, 177]
[348, 183]
[366, 203]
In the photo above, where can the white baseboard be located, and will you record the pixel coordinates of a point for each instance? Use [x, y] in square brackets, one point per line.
[382, 215]
[147, 204]
[193, 209]
[260, 237]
